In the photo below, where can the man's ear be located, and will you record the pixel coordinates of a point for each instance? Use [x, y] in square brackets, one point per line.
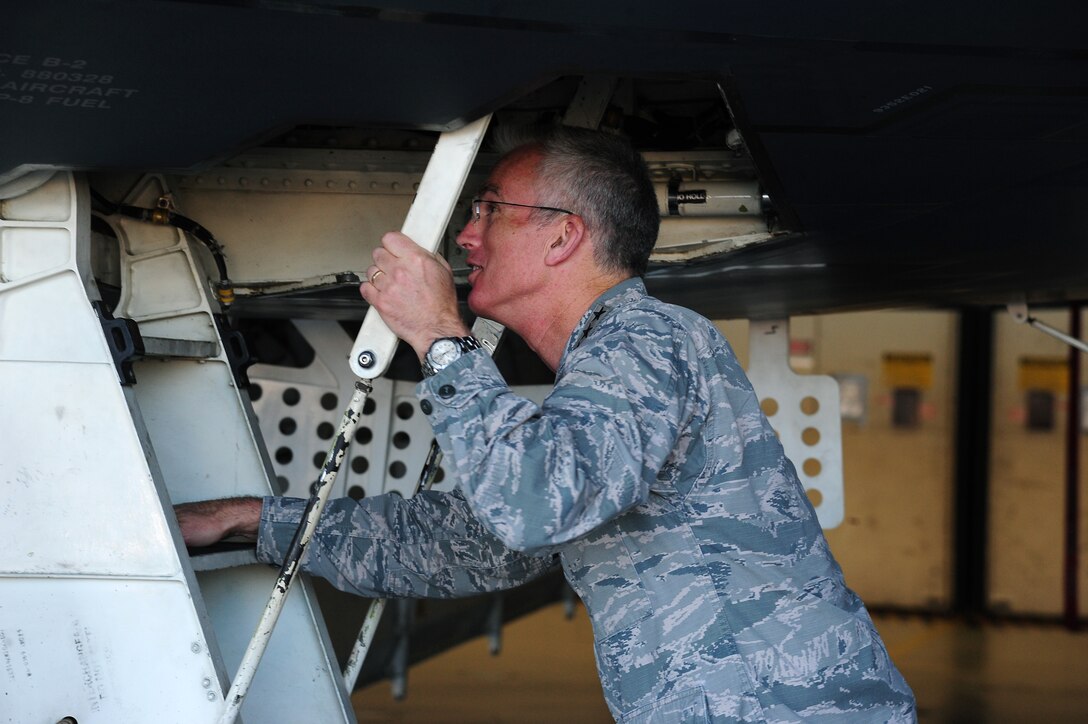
[572, 235]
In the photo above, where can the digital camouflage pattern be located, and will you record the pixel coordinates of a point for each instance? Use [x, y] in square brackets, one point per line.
[653, 475]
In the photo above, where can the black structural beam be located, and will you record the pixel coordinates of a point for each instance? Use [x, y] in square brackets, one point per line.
[1071, 564]
[972, 481]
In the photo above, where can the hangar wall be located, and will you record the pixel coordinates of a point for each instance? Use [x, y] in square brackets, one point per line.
[897, 537]
[1027, 482]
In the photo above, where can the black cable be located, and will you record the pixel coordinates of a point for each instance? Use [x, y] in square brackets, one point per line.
[225, 289]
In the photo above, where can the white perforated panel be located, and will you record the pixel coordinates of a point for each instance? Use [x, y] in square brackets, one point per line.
[299, 410]
[804, 410]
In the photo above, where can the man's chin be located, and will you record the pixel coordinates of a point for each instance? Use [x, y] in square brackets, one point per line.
[477, 305]
[473, 302]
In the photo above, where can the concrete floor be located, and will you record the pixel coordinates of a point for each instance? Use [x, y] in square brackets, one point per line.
[961, 674]
[991, 673]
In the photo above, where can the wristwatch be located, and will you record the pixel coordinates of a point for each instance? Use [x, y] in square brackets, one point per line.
[445, 351]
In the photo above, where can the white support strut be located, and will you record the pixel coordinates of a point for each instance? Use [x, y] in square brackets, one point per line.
[425, 224]
[375, 344]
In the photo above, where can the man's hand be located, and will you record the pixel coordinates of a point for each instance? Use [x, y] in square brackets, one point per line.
[210, 521]
[413, 290]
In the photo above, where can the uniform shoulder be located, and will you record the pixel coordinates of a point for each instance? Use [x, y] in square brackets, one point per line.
[650, 313]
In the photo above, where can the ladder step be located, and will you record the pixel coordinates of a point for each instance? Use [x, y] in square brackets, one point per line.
[163, 347]
[222, 556]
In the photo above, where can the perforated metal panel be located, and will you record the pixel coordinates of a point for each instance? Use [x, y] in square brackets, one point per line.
[804, 410]
[299, 408]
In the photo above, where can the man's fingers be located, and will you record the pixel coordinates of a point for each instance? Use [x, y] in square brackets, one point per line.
[373, 272]
[398, 252]
[398, 244]
[383, 259]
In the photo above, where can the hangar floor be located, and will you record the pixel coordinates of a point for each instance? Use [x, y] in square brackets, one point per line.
[961, 674]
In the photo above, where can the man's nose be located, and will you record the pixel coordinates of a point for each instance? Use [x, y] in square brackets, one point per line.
[468, 236]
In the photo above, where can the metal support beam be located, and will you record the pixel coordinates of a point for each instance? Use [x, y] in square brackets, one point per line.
[590, 103]
[973, 418]
[1071, 556]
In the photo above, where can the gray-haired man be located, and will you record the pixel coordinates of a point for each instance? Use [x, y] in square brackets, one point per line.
[649, 471]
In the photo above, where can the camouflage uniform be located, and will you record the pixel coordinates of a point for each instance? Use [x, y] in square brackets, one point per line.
[653, 474]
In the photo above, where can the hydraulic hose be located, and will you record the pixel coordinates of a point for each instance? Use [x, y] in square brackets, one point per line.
[166, 217]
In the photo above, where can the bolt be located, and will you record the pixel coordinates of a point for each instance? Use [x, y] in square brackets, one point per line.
[367, 359]
[264, 182]
[308, 183]
[243, 182]
[352, 185]
[195, 647]
[211, 696]
[206, 683]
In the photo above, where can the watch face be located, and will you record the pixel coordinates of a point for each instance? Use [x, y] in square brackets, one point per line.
[443, 352]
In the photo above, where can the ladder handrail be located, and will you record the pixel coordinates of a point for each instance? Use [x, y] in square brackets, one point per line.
[489, 333]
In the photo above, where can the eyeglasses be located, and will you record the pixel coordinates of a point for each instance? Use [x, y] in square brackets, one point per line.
[477, 203]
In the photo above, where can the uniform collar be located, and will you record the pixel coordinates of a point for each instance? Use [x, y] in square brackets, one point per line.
[626, 292]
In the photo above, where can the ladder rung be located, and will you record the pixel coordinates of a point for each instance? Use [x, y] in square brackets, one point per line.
[178, 348]
[223, 555]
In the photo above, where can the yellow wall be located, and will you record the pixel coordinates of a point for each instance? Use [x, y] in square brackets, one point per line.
[896, 541]
[1027, 480]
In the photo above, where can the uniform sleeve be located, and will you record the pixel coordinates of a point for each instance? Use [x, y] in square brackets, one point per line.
[540, 476]
[427, 546]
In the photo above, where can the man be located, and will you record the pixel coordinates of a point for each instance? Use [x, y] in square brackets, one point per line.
[650, 470]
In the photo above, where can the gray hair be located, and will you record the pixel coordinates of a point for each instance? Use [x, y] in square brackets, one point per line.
[601, 178]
